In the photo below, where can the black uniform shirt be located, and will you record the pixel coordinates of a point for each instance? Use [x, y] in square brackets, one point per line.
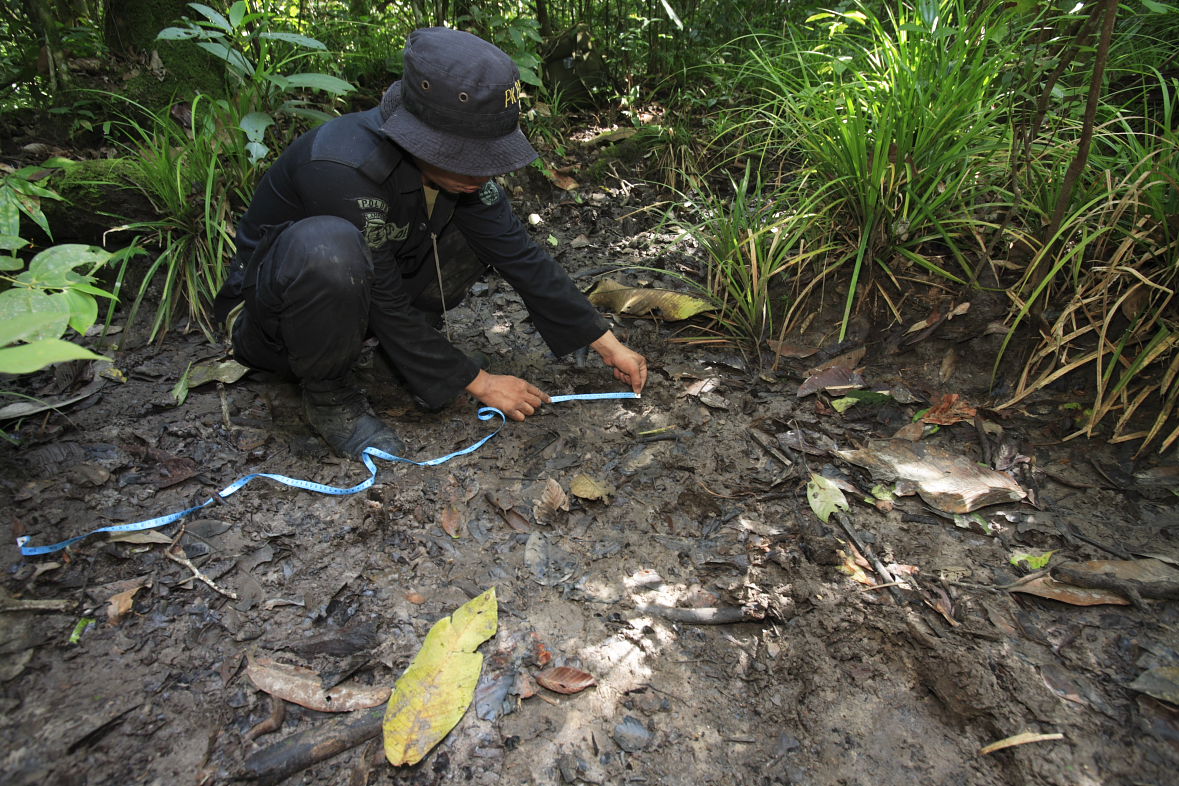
[349, 168]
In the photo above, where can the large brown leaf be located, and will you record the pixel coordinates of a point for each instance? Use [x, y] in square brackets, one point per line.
[302, 686]
[946, 480]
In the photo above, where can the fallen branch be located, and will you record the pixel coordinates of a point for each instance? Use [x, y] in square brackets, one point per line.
[175, 554]
[299, 751]
[8, 603]
[722, 615]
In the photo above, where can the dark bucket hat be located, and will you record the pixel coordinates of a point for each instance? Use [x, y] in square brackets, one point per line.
[457, 105]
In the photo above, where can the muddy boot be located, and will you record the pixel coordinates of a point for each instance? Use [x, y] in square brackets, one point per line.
[341, 414]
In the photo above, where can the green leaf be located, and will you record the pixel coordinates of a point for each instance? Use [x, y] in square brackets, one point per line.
[255, 125]
[90, 289]
[257, 151]
[60, 162]
[842, 405]
[53, 268]
[330, 84]
[20, 301]
[233, 58]
[29, 188]
[215, 18]
[179, 391]
[9, 213]
[237, 12]
[294, 38]
[529, 76]
[824, 497]
[20, 327]
[1159, 8]
[31, 207]
[27, 358]
[13, 243]
[1034, 561]
[83, 310]
[295, 108]
[176, 34]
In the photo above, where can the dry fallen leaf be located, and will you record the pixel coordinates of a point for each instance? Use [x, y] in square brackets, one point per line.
[647, 302]
[451, 521]
[565, 679]
[585, 487]
[302, 686]
[848, 360]
[141, 537]
[784, 350]
[836, 380]
[951, 409]
[120, 604]
[525, 686]
[910, 431]
[1047, 587]
[1161, 682]
[552, 499]
[517, 520]
[949, 365]
[946, 480]
[563, 182]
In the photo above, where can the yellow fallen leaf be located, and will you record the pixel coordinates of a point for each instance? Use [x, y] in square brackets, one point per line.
[646, 302]
[585, 487]
[434, 692]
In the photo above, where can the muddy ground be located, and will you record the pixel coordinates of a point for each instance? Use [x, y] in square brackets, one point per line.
[835, 683]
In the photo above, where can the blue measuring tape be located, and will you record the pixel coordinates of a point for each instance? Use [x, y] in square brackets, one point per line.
[484, 413]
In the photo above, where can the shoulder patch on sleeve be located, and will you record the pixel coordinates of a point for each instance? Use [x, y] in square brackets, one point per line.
[489, 194]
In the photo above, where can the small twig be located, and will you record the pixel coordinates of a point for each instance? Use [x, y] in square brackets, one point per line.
[13, 604]
[224, 407]
[762, 439]
[883, 586]
[179, 559]
[663, 435]
[722, 615]
[883, 572]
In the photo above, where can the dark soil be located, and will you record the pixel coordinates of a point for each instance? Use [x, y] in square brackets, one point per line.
[831, 682]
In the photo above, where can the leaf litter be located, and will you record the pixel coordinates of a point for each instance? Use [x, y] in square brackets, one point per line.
[720, 519]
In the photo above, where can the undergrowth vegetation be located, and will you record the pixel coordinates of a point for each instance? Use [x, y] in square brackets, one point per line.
[976, 145]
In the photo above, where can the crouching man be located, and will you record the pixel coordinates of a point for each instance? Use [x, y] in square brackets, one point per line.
[376, 223]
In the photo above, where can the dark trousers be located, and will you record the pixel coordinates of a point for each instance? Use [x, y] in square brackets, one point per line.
[306, 316]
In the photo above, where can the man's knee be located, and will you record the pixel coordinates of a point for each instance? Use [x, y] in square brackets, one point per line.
[324, 251]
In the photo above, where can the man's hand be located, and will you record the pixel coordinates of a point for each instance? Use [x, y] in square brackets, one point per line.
[629, 366]
[515, 397]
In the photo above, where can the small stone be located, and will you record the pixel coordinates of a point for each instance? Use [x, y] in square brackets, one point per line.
[631, 735]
